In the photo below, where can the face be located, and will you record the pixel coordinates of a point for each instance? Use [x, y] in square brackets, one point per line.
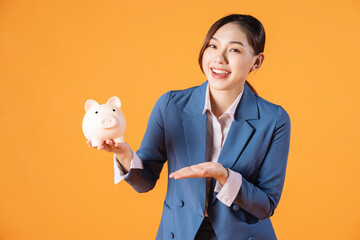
[228, 59]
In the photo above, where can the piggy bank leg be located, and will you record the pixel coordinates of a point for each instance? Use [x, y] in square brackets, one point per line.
[119, 140]
[96, 142]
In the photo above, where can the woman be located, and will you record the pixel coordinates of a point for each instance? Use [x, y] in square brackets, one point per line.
[226, 147]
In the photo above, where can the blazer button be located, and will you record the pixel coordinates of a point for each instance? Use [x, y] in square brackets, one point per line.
[180, 203]
[237, 208]
[171, 235]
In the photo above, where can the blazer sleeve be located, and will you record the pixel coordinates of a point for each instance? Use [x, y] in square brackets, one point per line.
[261, 198]
[152, 150]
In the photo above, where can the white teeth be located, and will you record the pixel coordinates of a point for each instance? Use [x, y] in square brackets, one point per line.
[219, 71]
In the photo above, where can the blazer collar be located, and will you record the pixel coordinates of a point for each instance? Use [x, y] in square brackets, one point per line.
[246, 109]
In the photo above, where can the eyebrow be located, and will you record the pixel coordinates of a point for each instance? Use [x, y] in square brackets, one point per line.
[237, 42]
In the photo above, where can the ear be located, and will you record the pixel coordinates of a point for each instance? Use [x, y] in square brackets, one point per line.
[89, 104]
[114, 101]
[258, 62]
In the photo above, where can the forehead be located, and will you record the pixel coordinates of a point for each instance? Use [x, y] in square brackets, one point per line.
[231, 32]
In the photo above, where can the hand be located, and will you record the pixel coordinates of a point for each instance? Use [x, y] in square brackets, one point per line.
[202, 170]
[122, 151]
[110, 146]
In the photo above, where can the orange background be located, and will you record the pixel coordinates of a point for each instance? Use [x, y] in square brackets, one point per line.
[54, 55]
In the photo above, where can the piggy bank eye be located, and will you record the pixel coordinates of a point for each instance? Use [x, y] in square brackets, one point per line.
[96, 112]
[113, 110]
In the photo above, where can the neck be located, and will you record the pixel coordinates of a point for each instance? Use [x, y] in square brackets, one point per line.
[221, 100]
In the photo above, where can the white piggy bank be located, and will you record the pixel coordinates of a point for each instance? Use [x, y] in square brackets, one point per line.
[105, 121]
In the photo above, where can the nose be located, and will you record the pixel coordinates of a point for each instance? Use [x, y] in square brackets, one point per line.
[108, 122]
[221, 58]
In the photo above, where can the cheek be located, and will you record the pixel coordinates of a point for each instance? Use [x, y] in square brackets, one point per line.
[205, 61]
[207, 56]
[242, 62]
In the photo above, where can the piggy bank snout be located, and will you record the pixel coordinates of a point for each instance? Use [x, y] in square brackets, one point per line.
[108, 122]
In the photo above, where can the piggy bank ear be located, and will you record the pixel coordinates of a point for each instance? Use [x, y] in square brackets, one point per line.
[89, 104]
[114, 101]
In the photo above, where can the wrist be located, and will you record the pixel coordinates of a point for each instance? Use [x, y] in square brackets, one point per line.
[223, 178]
[124, 161]
[124, 157]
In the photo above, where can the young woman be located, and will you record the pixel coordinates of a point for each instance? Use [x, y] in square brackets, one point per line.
[226, 147]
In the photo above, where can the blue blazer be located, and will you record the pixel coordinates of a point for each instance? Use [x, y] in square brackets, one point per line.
[257, 147]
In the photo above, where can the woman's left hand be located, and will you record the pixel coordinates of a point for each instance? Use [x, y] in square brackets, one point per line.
[202, 170]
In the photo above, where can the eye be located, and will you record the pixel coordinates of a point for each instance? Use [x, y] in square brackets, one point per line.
[96, 112]
[234, 50]
[211, 46]
[113, 110]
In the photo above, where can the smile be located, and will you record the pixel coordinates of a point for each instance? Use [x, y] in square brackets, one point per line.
[217, 73]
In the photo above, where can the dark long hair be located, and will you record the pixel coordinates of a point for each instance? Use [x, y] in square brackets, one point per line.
[252, 27]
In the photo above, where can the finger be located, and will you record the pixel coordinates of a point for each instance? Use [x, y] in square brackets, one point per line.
[109, 148]
[207, 169]
[89, 143]
[188, 175]
[100, 147]
[106, 147]
[173, 174]
[178, 172]
[188, 172]
[109, 141]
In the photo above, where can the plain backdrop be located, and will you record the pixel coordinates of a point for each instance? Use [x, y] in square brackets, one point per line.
[54, 55]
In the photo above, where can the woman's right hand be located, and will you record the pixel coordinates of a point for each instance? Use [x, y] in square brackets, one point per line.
[122, 151]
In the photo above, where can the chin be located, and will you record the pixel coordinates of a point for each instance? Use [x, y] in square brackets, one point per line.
[218, 85]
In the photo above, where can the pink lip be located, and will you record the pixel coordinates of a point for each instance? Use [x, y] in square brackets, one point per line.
[219, 76]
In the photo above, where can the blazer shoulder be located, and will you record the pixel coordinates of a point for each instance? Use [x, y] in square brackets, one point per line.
[175, 98]
[267, 108]
[181, 97]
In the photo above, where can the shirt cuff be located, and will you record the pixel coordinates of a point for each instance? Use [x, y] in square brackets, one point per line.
[119, 174]
[228, 192]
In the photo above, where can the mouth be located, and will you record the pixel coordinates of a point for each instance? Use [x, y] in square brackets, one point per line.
[219, 73]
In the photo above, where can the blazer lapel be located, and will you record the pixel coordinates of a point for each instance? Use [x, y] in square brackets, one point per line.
[240, 132]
